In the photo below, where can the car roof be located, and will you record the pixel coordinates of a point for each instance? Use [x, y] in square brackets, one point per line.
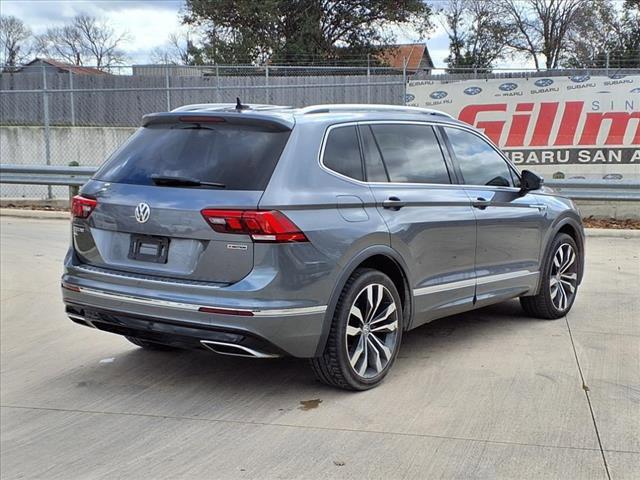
[333, 113]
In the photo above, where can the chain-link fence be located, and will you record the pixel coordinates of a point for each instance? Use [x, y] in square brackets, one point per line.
[59, 116]
[53, 115]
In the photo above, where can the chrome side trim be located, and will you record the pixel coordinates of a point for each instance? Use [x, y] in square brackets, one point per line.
[504, 276]
[443, 287]
[430, 122]
[289, 311]
[145, 278]
[195, 307]
[250, 352]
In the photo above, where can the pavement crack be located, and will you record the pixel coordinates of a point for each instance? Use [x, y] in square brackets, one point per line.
[586, 393]
[289, 425]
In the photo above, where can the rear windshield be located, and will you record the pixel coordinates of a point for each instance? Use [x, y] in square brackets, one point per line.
[240, 157]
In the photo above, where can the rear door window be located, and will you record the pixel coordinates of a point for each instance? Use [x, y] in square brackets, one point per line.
[376, 172]
[342, 152]
[479, 162]
[238, 156]
[411, 153]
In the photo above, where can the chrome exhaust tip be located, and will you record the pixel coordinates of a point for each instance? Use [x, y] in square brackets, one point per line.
[80, 319]
[232, 349]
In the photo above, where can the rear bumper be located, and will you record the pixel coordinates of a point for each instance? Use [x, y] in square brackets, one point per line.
[265, 326]
[177, 334]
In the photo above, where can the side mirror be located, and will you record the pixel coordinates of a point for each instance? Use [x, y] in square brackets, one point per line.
[530, 181]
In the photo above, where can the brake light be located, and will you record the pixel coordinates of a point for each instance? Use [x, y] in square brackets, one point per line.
[81, 207]
[201, 119]
[264, 226]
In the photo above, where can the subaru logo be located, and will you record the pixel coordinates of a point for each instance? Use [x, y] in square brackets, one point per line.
[409, 97]
[543, 82]
[507, 87]
[579, 78]
[438, 95]
[142, 213]
[635, 90]
[472, 90]
[616, 76]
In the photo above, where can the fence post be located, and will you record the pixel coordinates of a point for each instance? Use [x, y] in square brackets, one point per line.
[267, 93]
[217, 84]
[368, 78]
[47, 132]
[72, 104]
[404, 81]
[167, 84]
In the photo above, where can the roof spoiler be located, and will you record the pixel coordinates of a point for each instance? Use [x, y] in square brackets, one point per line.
[270, 121]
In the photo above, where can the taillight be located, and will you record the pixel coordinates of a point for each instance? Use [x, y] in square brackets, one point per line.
[81, 207]
[263, 226]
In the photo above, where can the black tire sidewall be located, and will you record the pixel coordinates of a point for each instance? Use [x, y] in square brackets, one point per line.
[546, 278]
[347, 298]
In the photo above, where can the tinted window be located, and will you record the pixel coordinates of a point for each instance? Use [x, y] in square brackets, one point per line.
[479, 163]
[372, 158]
[342, 152]
[241, 157]
[411, 153]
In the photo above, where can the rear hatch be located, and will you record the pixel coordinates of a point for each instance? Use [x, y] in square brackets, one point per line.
[146, 202]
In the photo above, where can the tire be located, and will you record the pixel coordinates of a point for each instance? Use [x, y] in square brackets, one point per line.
[559, 275]
[147, 345]
[372, 346]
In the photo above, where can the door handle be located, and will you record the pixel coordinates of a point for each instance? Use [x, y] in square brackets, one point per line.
[481, 203]
[393, 203]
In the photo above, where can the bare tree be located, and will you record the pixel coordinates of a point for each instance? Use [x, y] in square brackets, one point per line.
[15, 37]
[101, 42]
[179, 50]
[63, 43]
[478, 34]
[543, 26]
[86, 40]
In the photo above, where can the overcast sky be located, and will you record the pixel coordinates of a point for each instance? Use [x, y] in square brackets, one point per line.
[149, 22]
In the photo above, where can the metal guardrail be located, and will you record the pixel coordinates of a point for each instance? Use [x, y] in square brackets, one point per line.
[45, 175]
[577, 189]
[597, 189]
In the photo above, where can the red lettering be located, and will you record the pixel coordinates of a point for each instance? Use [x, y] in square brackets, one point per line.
[542, 130]
[492, 129]
[569, 123]
[519, 125]
[619, 124]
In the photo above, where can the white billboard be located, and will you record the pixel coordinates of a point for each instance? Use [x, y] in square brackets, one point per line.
[550, 121]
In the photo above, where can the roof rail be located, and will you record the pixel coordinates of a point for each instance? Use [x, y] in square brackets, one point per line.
[226, 106]
[364, 107]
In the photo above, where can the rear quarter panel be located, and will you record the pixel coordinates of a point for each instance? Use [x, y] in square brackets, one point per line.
[338, 216]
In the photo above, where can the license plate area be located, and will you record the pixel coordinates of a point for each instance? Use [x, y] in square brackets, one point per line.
[147, 248]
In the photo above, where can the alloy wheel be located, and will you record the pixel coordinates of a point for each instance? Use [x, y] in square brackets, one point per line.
[563, 276]
[372, 330]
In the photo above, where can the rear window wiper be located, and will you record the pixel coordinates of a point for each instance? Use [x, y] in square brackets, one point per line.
[169, 181]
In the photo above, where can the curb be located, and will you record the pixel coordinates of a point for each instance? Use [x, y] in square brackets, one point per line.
[612, 232]
[37, 214]
[57, 215]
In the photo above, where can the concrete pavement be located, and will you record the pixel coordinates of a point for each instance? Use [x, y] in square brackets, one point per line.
[488, 394]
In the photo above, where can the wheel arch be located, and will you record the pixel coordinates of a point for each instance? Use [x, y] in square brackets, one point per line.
[384, 259]
[572, 226]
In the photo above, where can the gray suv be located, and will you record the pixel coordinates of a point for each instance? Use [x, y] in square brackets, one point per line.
[322, 232]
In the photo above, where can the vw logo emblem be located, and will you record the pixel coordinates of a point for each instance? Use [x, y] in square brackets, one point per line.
[142, 212]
